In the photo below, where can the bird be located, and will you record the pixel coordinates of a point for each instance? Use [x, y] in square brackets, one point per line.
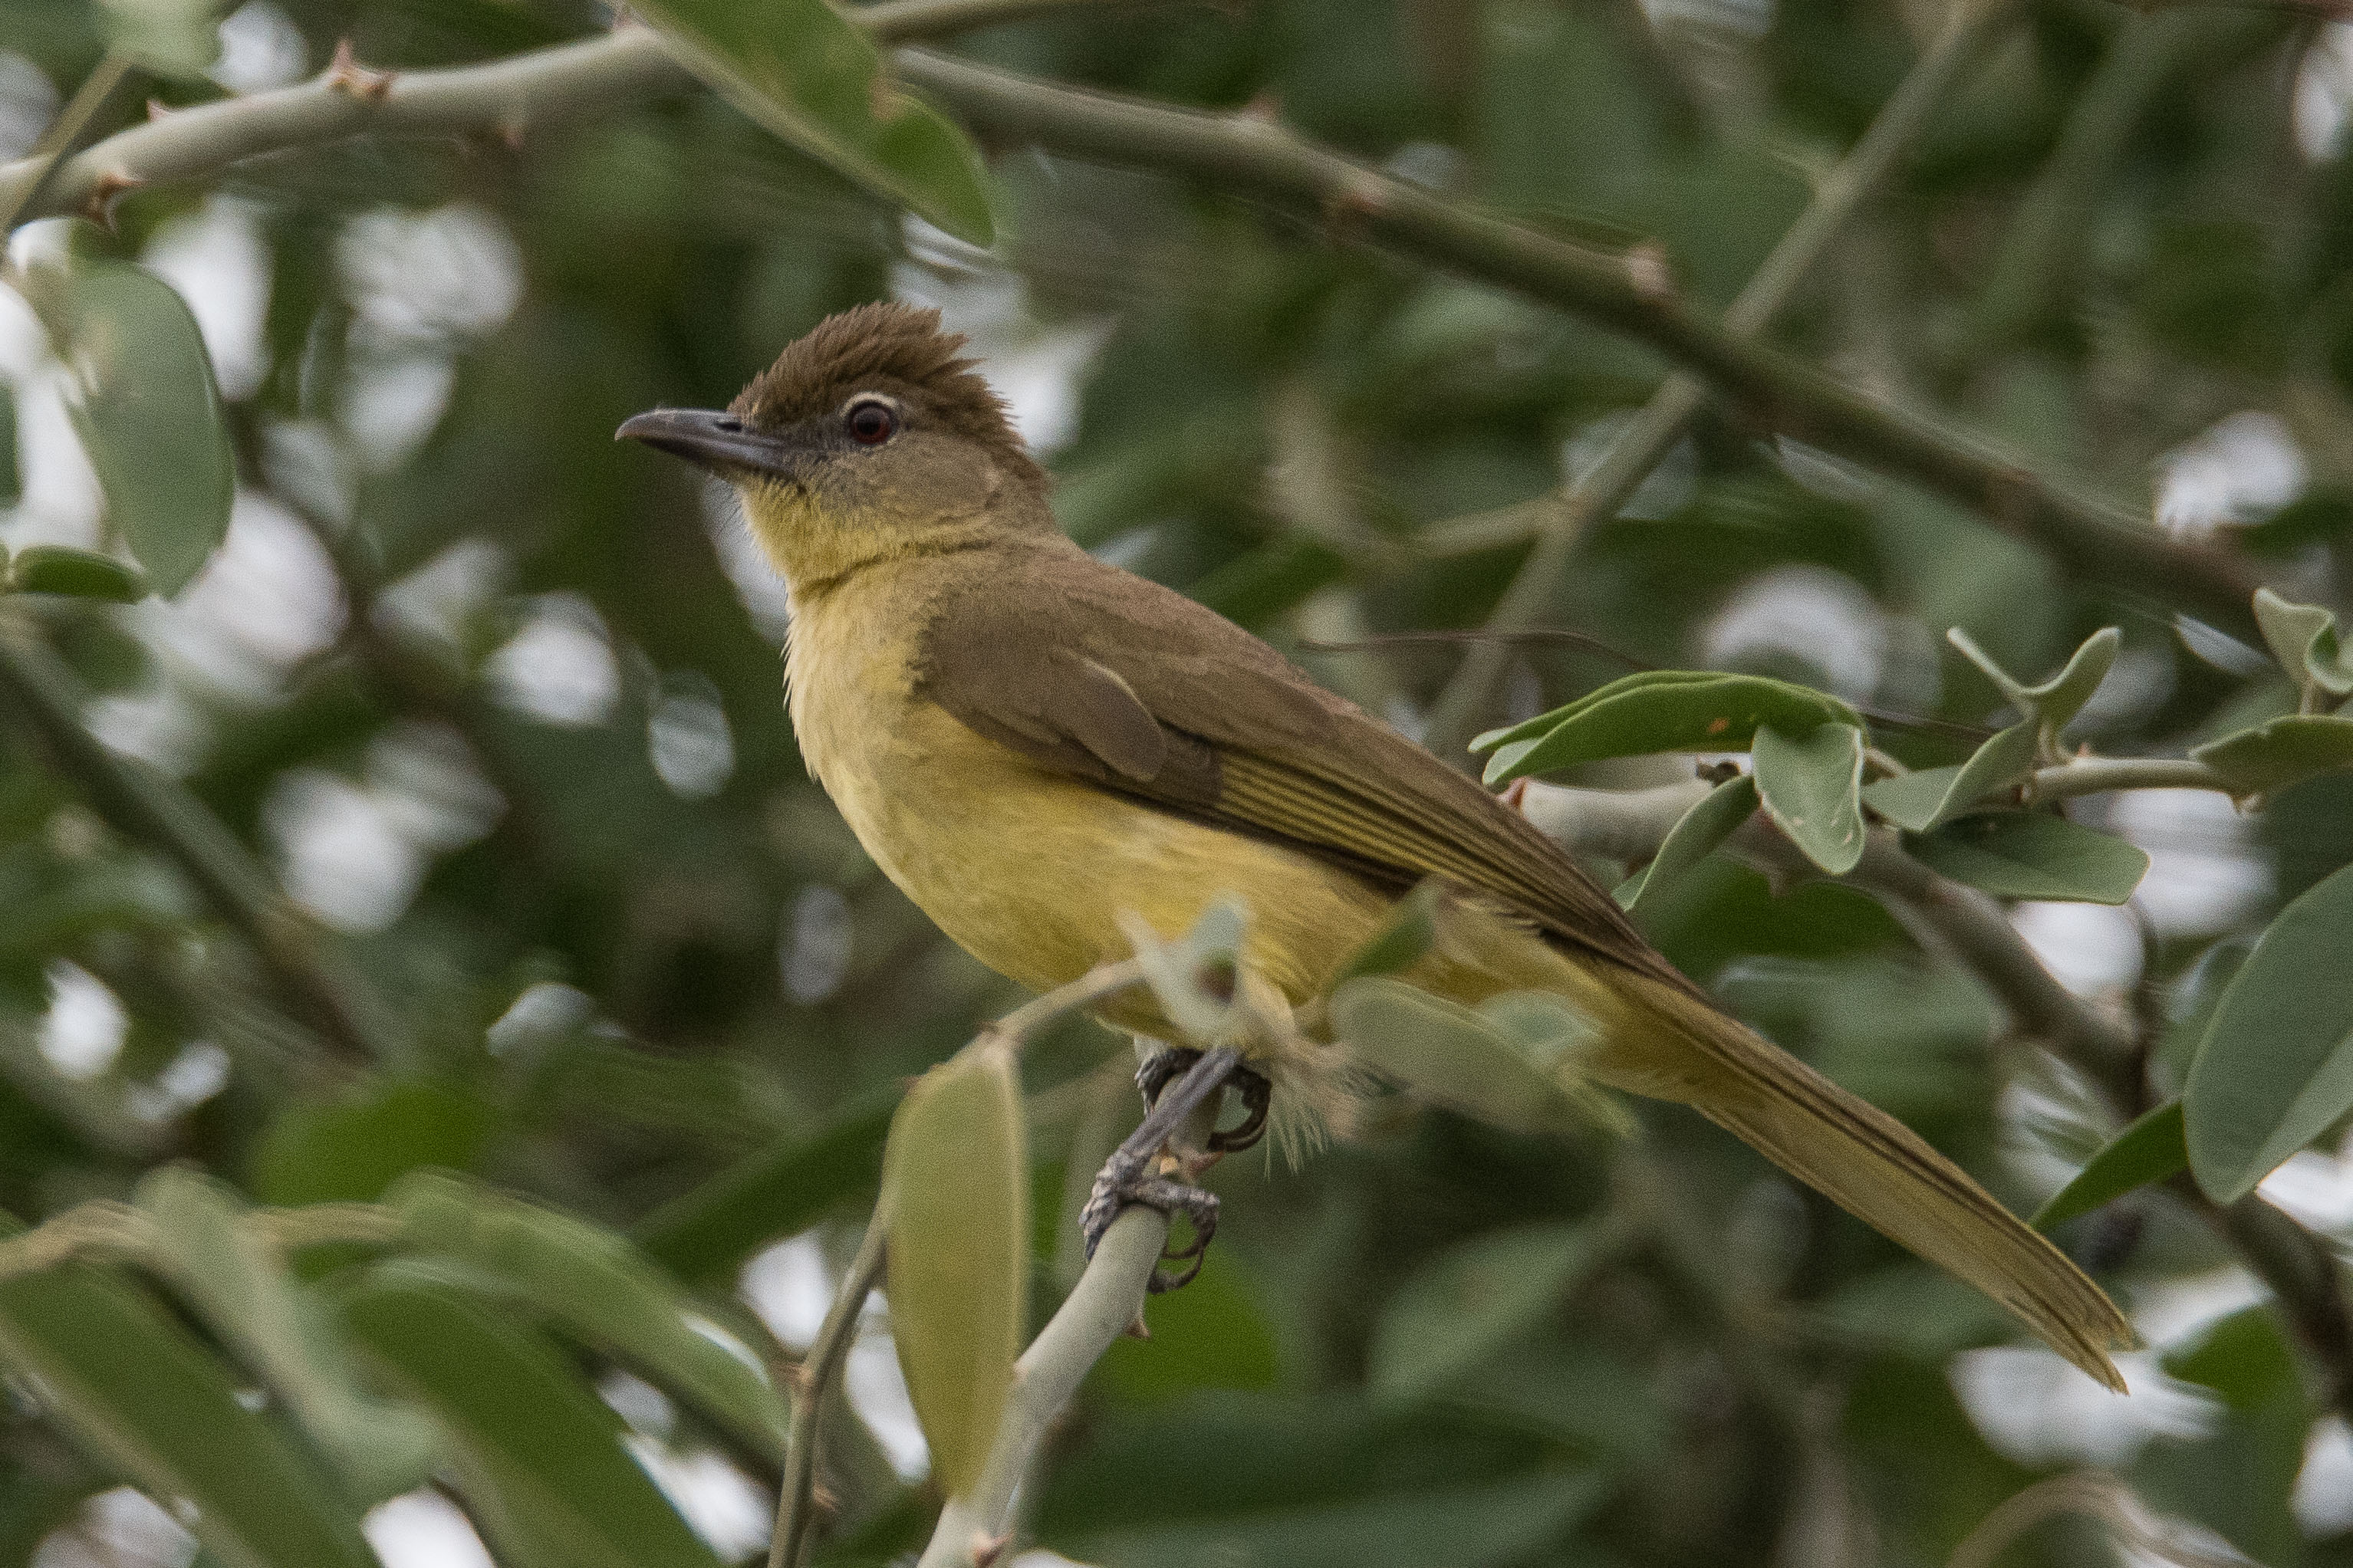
[1040, 748]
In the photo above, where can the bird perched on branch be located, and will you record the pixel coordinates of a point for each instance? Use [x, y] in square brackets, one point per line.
[1032, 743]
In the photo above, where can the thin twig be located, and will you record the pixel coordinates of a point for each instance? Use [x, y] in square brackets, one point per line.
[2099, 775]
[1640, 446]
[796, 1511]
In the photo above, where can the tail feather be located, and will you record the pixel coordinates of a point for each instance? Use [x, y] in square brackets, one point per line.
[1863, 1160]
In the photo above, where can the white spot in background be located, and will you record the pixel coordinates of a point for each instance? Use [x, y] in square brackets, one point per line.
[217, 261]
[83, 1031]
[2316, 1190]
[428, 280]
[1663, 492]
[267, 599]
[441, 600]
[1817, 617]
[340, 854]
[119, 1529]
[692, 747]
[546, 1011]
[646, 1408]
[2051, 1121]
[2244, 467]
[1432, 165]
[354, 854]
[158, 724]
[2323, 1500]
[392, 403]
[1042, 1558]
[28, 101]
[61, 502]
[260, 49]
[2178, 1313]
[559, 666]
[2206, 872]
[423, 1529]
[764, 598]
[718, 1502]
[790, 1287]
[304, 461]
[198, 1073]
[1128, 547]
[814, 955]
[2323, 91]
[2094, 950]
[877, 1390]
[427, 780]
[1036, 368]
[2034, 1408]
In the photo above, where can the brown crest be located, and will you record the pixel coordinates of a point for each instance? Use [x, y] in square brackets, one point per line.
[898, 350]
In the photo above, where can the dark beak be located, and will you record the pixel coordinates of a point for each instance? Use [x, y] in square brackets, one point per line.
[710, 439]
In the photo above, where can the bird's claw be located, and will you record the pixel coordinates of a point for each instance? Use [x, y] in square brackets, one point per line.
[1165, 1065]
[1175, 1084]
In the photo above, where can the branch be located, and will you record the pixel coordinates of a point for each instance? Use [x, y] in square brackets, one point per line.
[160, 812]
[972, 1531]
[2097, 776]
[1641, 446]
[795, 1516]
[1245, 154]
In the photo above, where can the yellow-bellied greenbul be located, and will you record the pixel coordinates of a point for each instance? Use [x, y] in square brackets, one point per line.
[1029, 742]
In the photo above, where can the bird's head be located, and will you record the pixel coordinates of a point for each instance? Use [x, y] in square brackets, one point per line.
[870, 439]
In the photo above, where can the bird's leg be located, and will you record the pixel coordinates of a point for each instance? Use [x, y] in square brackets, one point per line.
[1128, 1177]
[1163, 1065]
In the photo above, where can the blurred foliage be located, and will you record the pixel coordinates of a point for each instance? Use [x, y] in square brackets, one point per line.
[531, 759]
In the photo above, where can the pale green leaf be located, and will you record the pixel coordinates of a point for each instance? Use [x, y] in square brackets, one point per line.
[2031, 855]
[1811, 786]
[1712, 818]
[2277, 1068]
[2285, 751]
[955, 1194]
[1659, 710]
[1921, 800]
[2060, 699]
[73, 574]
[2149, 1150]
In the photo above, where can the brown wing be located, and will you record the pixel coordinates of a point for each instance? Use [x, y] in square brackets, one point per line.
[1095, 672]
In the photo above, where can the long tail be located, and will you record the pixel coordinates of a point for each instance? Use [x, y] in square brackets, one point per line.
[1674, 1047]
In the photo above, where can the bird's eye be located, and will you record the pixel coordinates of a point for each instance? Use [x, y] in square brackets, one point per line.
[872, 424]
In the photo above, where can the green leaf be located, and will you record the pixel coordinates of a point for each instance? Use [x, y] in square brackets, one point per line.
[1211, 1334]
[2031, 855]
[135, 1393]
[1811, 787]
[1712, 818]
[1659, 710]
[170, 37]
[2304, 639]
[1922, 800]
[1409, 932]
[1472, 1302]
[955, 1193]
[2149, 1150]
[147, 413]
[2060, 699]
[706, 1234]
[2285, 751]
[1498, 1064]
[350, 1149]
[536, 1456]
[814, 79]
[2276, 1068]
[592, 1283]
[239, 1286]
[74, 573]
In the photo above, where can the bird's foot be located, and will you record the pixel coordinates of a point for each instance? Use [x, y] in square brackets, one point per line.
[1169, 1063]
[1128, 1177]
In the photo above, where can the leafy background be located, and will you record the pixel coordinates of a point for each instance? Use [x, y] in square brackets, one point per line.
[496, 703]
